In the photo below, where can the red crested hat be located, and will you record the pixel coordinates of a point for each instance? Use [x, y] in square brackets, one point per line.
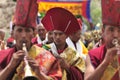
[60, 19]
[80, 22]
[111, 12]
[26, 13]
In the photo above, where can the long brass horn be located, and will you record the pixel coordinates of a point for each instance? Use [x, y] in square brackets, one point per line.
[28, 72]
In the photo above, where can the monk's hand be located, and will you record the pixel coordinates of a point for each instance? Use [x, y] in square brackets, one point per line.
[34, 65]
[63, 63]
[17, 58]
[110, 54]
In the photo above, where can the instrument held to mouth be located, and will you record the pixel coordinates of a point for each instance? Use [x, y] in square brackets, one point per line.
[116, 43]
[28, 72]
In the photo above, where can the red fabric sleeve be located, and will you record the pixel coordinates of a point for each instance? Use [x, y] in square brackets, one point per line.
[75, 74]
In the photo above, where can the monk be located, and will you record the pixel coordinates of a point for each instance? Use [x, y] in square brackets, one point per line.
[40, 38]
[12, 60]
[102, 62]
[67, 63]
[74, 41]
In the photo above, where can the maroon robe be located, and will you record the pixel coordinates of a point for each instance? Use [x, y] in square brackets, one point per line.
[73, 72]
[34, 40]
[97, 55]
[5, 57]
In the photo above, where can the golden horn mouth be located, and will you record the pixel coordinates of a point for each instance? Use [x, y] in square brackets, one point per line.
[115, 42]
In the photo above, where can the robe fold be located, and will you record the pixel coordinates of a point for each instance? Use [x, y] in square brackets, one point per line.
[76, 70]
[5, 57]
[54, 70]
[97, 56]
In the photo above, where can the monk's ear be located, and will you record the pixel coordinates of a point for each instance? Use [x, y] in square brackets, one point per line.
[34, 33]
[12, 33]
[67, 36]
[103, 29]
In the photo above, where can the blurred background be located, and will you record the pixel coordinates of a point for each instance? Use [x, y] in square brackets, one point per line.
[7, 8]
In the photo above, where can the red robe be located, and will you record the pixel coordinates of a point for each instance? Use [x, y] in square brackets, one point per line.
[34, 40]
[10, 39]
[97, 55]
[10, 42]
[5, 57]
[73, 74]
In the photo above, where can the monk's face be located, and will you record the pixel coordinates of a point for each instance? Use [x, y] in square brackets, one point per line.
[41, 32]
[75, 36]
[22, 34]
[50, 36]
[110, 33]
[59, 37]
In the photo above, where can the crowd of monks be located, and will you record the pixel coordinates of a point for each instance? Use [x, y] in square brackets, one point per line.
[56, 48]
[90, 39]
